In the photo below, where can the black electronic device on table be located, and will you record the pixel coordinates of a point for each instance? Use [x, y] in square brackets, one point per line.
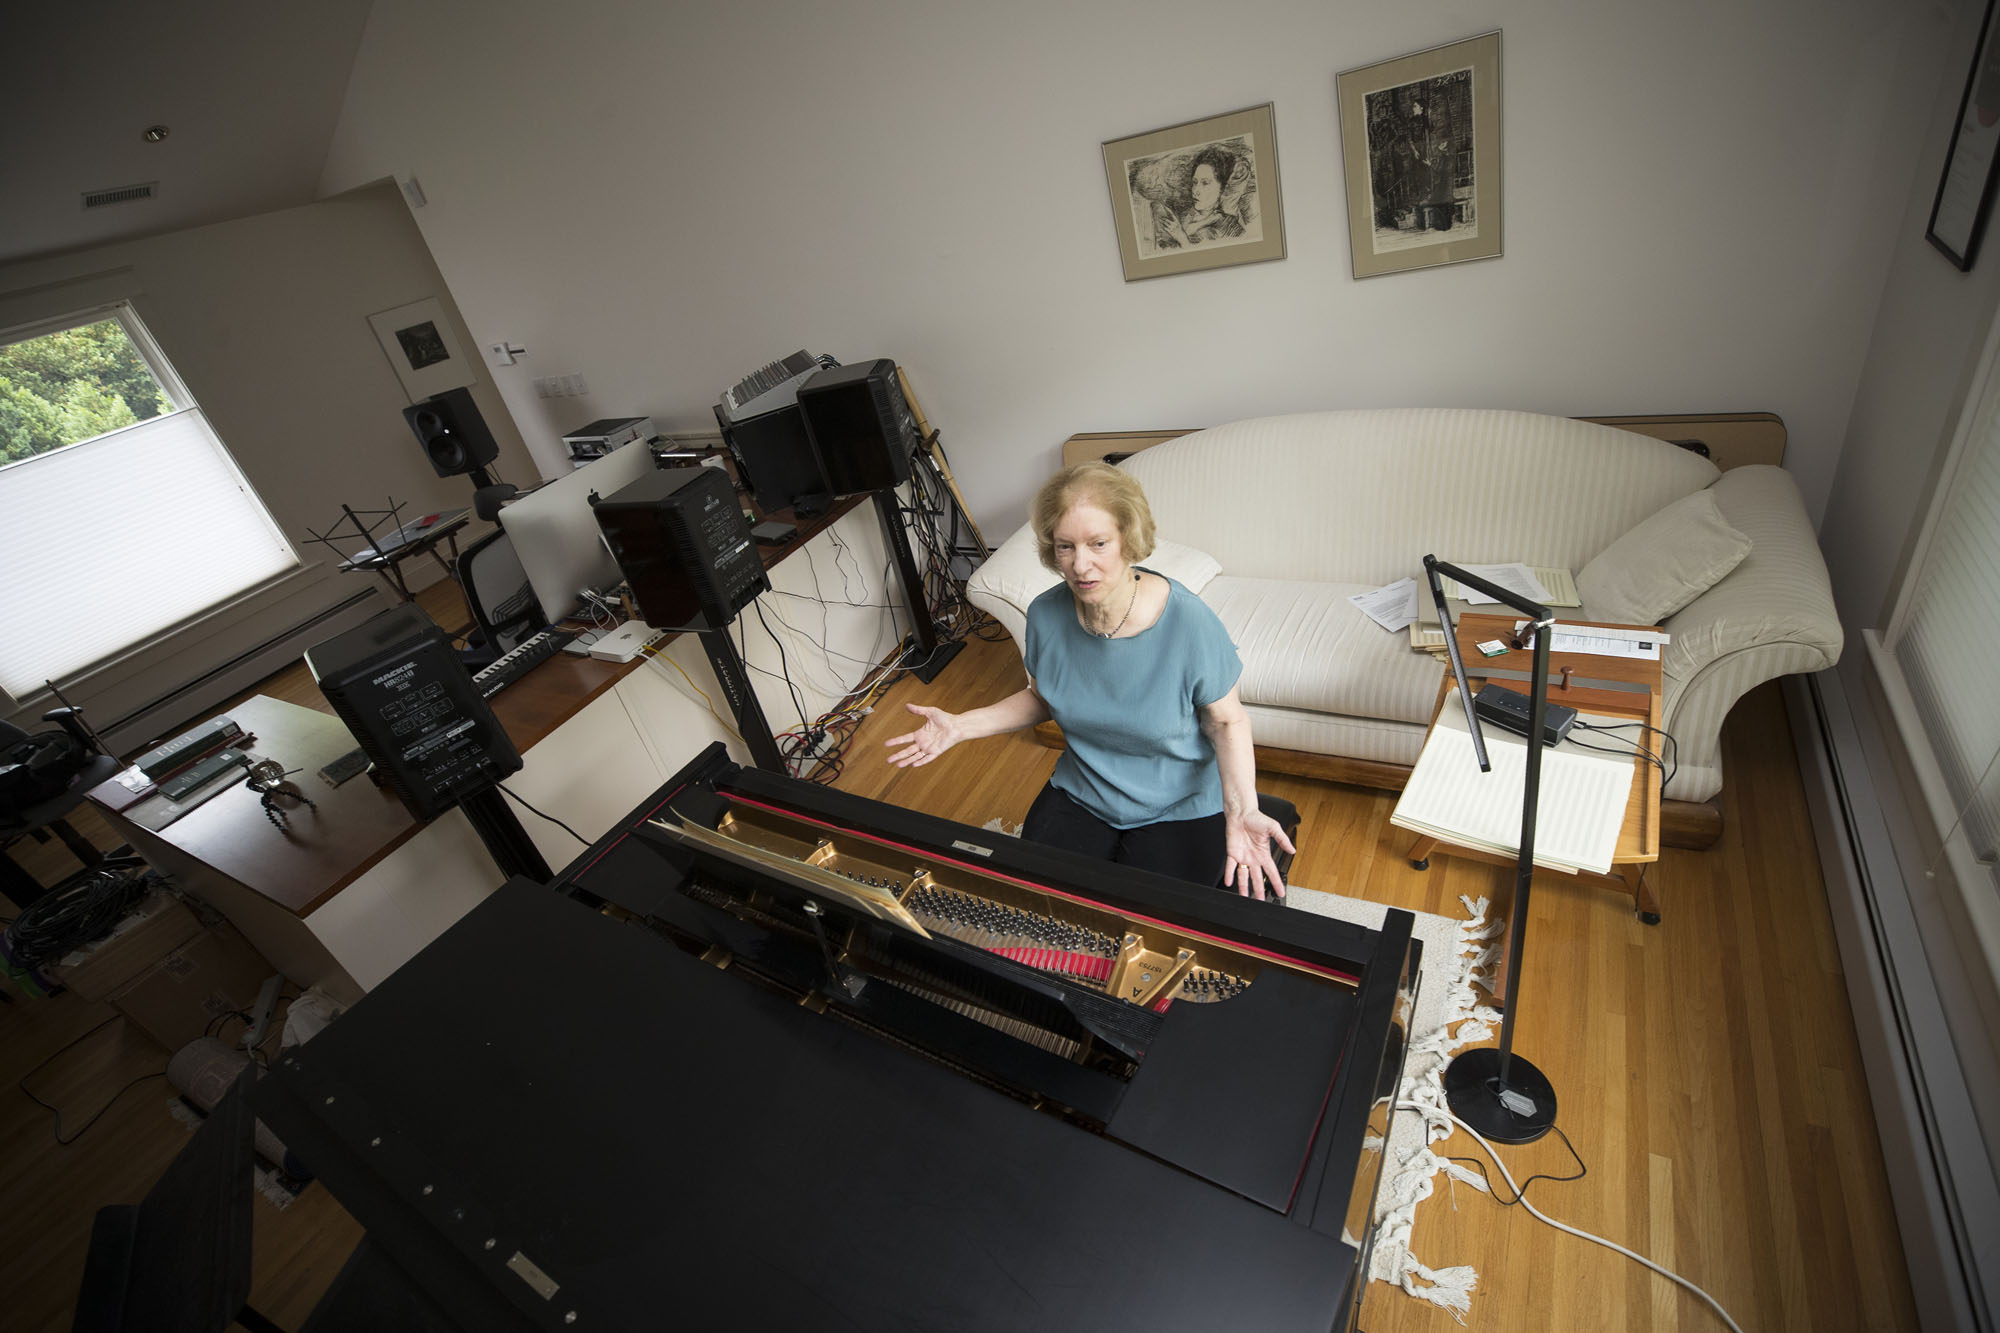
[765, 432]
[1513, 710]
[861, 427]
[684, 547]
[1135, 1103]
[395, 680]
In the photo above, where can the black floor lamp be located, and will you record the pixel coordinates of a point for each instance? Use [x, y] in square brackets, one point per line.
[1499, 1094]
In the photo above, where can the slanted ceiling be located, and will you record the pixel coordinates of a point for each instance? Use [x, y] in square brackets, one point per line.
[250, 93]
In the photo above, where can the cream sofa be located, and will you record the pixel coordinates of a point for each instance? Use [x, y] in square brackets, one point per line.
[1275, 522]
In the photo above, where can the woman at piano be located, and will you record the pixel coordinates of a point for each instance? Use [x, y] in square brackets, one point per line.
[1157, 770]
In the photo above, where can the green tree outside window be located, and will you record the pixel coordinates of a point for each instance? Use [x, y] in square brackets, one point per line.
[67, 387]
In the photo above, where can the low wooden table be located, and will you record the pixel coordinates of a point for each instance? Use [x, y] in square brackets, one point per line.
[1620, 687]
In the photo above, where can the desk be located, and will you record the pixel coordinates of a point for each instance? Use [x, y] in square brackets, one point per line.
[1615, 686]
[357, 887]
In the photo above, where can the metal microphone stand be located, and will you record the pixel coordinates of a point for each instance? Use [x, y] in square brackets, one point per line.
[1500, 1095]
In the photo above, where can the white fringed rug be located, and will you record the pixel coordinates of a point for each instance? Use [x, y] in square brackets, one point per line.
[1448, 1016]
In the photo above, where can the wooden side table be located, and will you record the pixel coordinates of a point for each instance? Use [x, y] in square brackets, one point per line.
[1620, 687]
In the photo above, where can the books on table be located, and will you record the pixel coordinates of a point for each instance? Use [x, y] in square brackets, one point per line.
[1578, 816]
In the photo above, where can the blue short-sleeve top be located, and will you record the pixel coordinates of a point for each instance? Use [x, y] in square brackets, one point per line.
[1135, 753]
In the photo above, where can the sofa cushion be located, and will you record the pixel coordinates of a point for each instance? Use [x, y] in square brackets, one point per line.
[1305, 646]
[1663, 564]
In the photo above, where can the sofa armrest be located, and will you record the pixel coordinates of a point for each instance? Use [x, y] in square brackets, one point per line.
[1011, 577]
[1773, 615]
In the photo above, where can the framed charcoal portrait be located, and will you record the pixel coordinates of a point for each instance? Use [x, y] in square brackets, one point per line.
[1199, 195]
[1965, 191]
[1420, 138]
[419, 343]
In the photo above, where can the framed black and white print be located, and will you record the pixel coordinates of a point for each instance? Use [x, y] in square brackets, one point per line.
[1199, 195]
[1420, 136]
[421, 347]
[1965, 192]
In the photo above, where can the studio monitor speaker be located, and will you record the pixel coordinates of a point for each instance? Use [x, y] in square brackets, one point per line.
[452, 433]
[862, 429]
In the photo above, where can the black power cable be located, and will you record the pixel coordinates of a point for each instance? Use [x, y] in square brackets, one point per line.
[81, 909]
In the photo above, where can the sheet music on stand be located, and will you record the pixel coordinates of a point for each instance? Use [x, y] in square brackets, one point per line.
[1580, 813]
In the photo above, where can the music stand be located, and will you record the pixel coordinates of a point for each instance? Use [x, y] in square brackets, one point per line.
[1501, 1096]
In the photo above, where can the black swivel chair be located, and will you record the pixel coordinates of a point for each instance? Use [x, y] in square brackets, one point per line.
[48, 815]
[497, 589]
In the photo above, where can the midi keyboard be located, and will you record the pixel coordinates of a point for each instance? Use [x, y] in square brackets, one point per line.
[519, 660]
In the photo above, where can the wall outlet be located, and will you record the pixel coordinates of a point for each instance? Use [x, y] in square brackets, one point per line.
[502, 354]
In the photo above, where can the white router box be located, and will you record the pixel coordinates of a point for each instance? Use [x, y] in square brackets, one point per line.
[626, 642]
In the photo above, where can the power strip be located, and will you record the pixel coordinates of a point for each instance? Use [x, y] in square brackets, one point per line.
[626, 642]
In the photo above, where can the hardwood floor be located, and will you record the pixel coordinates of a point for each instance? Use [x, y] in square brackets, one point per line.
[1707, 1068]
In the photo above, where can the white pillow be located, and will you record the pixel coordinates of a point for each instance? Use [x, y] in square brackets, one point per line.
[1663, 564]
[1190, 568]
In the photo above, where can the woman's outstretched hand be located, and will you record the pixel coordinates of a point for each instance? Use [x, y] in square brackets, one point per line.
[939, 733]
[1250, 869]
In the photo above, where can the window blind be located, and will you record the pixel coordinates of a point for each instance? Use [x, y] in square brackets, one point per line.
[1947, 640]
[109, 542]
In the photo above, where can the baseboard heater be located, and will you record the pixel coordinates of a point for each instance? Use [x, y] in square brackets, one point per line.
[201, 694]
[1941, 1176]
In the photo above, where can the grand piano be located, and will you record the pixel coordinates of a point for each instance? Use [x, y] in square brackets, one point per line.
[769, 1056]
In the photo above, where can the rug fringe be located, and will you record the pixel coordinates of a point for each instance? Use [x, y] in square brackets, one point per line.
[1465, 1022]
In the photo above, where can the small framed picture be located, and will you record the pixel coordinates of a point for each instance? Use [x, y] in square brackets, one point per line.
[1965, 192]
[1420, 139]
[419, 342]
[1199, 195]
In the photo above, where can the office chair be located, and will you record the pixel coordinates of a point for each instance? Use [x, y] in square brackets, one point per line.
[497, 589]
[49, 813]
[180, 1260]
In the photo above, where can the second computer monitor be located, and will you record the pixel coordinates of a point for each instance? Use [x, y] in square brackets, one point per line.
[557, 537]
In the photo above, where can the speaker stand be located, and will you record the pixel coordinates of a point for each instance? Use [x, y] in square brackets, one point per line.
[923, 629]
[506, 841]
[735, 682]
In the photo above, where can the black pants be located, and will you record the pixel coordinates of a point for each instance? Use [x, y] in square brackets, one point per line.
[1189, 849]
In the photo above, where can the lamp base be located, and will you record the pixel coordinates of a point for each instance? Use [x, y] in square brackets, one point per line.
[1472, 1090]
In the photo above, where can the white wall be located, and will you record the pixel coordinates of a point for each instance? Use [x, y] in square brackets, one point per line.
[1925, 343]
[1700, 203]
[266, 320]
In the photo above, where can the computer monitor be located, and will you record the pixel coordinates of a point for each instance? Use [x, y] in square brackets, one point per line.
[556, 535]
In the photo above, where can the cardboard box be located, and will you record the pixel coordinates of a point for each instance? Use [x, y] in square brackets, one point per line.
[180, 995]
[157, 925]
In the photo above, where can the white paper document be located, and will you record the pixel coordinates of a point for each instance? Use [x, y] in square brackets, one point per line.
[1516, 578]
[1603, 641]
[1393, 607]
[1578, 816]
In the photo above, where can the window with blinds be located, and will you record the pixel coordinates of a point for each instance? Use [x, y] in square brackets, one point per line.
[1947, 640]
[121, 514]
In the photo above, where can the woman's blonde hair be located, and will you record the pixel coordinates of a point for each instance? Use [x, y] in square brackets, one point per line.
[1114, 491]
